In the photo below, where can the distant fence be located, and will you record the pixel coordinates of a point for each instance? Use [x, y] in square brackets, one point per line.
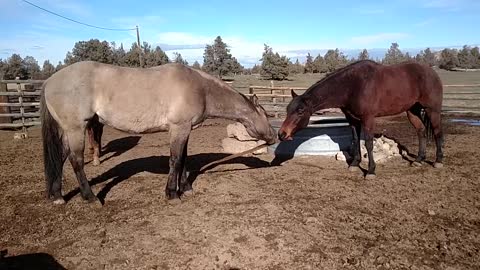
[19, 103]
[275, 99]
[20, 100]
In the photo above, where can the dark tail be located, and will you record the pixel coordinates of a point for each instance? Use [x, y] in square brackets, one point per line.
[428, 125]
[52, 146]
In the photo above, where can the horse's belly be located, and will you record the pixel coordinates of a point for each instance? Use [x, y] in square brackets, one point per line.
[134, 124]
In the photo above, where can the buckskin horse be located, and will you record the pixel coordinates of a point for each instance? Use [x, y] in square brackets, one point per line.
[172, 97]
[365, 90]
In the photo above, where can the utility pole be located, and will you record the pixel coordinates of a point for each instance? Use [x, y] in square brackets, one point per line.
[140, 52]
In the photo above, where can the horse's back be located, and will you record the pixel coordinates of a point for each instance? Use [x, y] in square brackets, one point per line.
[130, 99]
[392, 89]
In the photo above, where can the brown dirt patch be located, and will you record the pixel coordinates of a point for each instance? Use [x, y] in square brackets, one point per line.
[309, 213]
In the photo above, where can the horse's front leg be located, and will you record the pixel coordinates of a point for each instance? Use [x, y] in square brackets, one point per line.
[368, 129]
[178, 142]
[355, 147]
[185, 187]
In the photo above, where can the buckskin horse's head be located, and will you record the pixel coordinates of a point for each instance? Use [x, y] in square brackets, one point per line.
[298, 116]
[260, 128]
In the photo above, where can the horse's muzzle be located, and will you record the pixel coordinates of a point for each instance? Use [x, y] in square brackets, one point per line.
[283, 136]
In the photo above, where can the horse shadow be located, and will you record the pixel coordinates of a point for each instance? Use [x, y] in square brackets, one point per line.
[118, 147]
[160, 165]
[40, 261]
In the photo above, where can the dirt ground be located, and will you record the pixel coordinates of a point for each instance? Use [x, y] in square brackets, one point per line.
[308, 213]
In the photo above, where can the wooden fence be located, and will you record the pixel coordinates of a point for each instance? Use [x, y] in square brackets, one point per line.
[20, 100]
[19, 103]
[458, 98]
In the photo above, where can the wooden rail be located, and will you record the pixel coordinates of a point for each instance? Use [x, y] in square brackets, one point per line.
[19, 108]
[274, 99]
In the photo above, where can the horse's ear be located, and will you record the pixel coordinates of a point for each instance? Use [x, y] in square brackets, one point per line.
[293, 93]
[254, 99]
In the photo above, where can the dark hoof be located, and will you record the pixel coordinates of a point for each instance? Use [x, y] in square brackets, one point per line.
[90, 197]
[438, 165]
[370, 176]
[171, 195]
[416, 164]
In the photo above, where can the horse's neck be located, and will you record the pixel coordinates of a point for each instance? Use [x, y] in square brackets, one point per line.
[223, 102]
[327, 94]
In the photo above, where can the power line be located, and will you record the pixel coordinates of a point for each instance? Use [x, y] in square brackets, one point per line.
[75, 21]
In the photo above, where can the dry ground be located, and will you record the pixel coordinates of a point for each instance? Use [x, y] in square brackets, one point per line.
[309, 213]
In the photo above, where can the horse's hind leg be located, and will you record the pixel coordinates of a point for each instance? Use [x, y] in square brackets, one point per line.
[76, 142]
[368, 128]
[55, 188]
[414, 116]
[355, 147]
[95, 131]
[436, 125]
[178, 142]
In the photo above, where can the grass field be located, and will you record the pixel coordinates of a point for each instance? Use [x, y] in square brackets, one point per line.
[242, 83]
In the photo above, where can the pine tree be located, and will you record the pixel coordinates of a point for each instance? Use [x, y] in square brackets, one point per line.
[132, 57]
[448, 59]
[196, 65]
[465, 58]
[156, 57]
[309, 64]
[429, 57]
[32, 67]
[118, 55]
[59, 66]
[334, 59]
[3, 67]
[256, 69]
[93, 50]
[476, 57]
[47, 70]
[394, 55]
[179, 59]
[363, 55]
[217, 58]
[15, 68]
[295, 68]
[236, 67]
[319, 65]
[274, 66]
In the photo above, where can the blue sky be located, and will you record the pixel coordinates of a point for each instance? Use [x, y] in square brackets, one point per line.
[291, 27]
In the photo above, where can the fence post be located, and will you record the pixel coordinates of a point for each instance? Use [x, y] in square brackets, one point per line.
[250, 90]
[22, 109]
[4, 109]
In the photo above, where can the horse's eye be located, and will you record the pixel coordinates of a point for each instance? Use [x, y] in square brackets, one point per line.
[300, 111]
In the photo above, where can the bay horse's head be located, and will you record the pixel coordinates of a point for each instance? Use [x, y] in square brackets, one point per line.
[298, 116]
[260, 128]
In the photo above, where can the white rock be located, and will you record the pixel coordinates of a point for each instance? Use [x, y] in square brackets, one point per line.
[238, 131]
[340, 156]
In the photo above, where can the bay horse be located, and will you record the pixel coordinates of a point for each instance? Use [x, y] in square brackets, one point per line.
[365, 90]
[172, 98]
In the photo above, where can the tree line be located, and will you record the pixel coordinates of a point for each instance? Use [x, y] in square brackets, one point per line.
[218, 60]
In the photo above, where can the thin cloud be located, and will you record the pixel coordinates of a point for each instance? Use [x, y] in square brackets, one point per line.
[74, 7]
[451, 5]
[372, 11]
[426, 22]
[370, 40]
